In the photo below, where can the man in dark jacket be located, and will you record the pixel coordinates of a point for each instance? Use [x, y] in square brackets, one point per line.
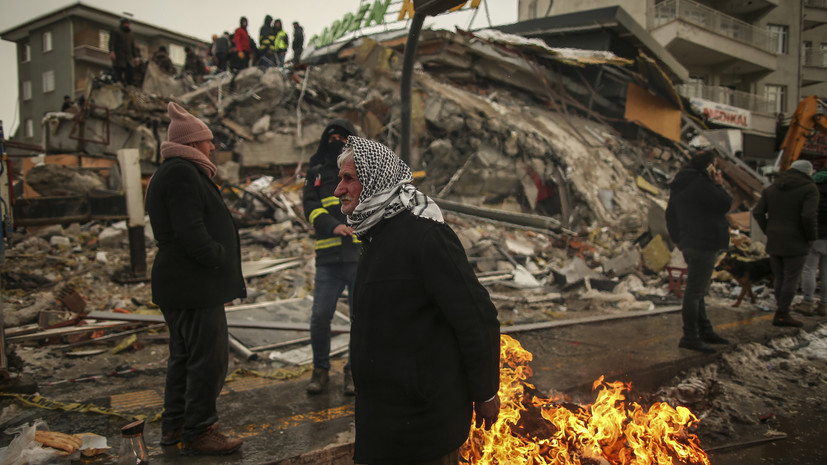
[696, 221]
[298, 43]
[161, 58]
[123, 52]
[220, 50]
[196, 271]
[267, 44]
[816, 263]
[787, 213]
[193, 66]
[337, 252]
[425, 340]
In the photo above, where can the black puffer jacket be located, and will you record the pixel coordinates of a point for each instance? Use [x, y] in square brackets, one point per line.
[696, 212]
[321, 207]
[788, 214]
[199, 261]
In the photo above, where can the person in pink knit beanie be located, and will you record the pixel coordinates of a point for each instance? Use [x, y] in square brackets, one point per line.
[196, 271]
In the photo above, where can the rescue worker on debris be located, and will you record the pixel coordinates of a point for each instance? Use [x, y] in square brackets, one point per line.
[241, 43]
[124, 53]
[787, 213]
[267, 44]
[337, 252]
[282, 41]
[697, 223]
[425, 340]
[196, 271]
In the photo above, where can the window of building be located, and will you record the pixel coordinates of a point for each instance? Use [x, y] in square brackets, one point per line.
[49, 81]
[143, 49]
[823, 54]
[807, 52]
[47, 41]
[776, 97]
[177, 54]
[27, 90]
[103, 40]
[779, 37]
[26, 53]
[29, 128]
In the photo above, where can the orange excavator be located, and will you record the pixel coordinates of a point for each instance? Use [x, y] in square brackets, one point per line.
[804, 123]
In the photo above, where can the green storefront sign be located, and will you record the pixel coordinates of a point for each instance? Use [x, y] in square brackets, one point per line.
[366, 16]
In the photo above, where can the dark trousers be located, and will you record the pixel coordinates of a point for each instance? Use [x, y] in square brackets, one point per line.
[699, 266]
[787, 273]
[198, 356]
[221, 61]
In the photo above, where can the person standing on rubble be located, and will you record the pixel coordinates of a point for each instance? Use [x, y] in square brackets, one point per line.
[696, 222]
[267, 44]
[298, 43]
[221, 51]
[123, 52]
[196, 271]
[282, 41]
[816, 263]
[425, 340]
[787, 213]
[241, 40]
[337, 252]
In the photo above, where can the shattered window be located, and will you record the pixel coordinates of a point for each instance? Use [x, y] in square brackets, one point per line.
[47, 41]
[49, 81]
[103, 39]
[177, 54]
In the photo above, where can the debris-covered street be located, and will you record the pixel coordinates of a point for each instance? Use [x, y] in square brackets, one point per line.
[557, 199]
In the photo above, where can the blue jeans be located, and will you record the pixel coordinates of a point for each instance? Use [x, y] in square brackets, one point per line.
[699, 266]
[329, 284]
[816, 263]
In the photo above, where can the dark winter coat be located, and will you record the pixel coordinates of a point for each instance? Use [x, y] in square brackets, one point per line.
[821, 183]
[787, 212]
[424, 342]
[123, 44]
[199, 261]
[321, 207]
[267, 36]
[298, 41]
[696, 211]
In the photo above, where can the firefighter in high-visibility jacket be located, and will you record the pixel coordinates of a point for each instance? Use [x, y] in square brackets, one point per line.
[337, 250]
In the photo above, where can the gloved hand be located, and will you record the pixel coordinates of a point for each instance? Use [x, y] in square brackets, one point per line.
[241, 55]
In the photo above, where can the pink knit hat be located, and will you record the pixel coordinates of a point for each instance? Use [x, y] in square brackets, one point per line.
[185, 128]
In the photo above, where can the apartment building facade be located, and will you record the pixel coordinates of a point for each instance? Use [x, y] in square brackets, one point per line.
[748, 62]
[58, 53]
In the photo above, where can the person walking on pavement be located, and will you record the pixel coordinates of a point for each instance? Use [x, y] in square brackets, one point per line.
[196, 271]
[298, 43]
[787, 213]
[697, 223]
[281, 42]
[337, 250]
[123, 52]
[425, 340]
[816, 262]
[241, 41]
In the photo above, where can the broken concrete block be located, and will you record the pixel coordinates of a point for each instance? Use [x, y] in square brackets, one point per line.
[512, 146]
[278, 149]
[261, 126]
[577, 270]
[229, 171]
[57, 180]
[441, 147]
[112, 237]
[61, 242]
[518, 247]
[656, 255]
[656, 218]
[623, 264]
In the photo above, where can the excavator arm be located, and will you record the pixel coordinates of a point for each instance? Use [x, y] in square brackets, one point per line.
[805, 121]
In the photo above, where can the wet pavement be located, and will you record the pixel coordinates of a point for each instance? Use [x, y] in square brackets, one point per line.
[281, 424]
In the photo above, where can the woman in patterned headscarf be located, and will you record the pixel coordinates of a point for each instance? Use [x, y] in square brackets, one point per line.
[425, 337]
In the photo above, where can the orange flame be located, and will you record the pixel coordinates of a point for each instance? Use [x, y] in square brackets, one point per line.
[536, 431]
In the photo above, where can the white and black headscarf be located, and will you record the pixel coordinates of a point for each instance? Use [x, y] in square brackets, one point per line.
[387, 187]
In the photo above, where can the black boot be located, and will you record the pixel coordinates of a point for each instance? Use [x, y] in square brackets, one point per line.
[318, 382]
[784, 319]
[696, 344]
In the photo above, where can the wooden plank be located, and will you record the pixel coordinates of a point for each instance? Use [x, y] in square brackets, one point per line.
[232, 323]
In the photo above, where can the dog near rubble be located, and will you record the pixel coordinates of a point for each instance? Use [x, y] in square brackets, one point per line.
[745, 272]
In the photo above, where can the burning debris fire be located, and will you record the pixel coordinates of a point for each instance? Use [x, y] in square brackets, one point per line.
[537, 431]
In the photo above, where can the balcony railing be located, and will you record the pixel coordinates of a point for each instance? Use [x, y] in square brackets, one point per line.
[735, 98]
[816, 3]
[714, 21]
[815, 58]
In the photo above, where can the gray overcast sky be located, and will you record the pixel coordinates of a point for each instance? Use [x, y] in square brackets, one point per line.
[202, 18]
